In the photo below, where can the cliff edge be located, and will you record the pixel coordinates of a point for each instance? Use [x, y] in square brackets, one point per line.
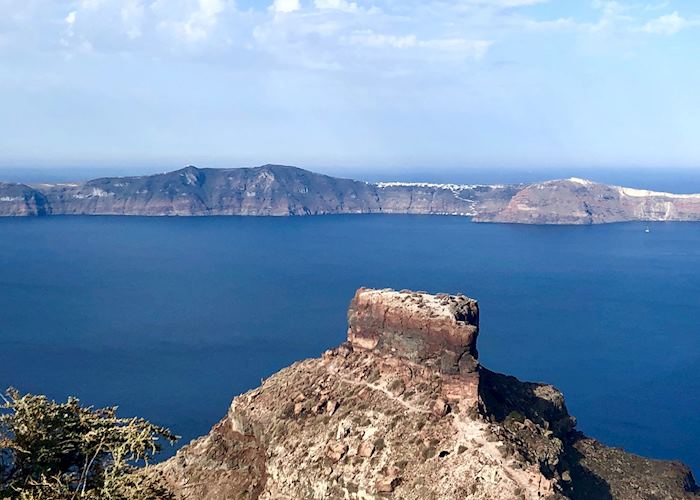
[278, 190]
[404, 410]
[580, 201]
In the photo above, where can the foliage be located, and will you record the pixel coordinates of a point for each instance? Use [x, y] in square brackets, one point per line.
[52, 450]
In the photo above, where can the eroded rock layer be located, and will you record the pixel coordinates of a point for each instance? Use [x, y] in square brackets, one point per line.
[433, 330]
[396, 413]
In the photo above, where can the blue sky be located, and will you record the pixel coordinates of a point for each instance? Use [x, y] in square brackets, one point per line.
[388, 83]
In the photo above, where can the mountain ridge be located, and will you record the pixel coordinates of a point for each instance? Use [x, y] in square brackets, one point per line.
[281, 190]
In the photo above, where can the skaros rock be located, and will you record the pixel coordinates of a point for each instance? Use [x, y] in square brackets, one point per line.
[404, 410]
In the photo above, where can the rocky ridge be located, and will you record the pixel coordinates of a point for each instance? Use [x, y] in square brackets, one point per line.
[268, 190]
[282, 191]
[403, 409]
[580, 201]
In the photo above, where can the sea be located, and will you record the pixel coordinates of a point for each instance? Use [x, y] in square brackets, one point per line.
[170, 318]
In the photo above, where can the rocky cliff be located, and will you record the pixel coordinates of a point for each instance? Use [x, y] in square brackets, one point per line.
[280, 190]
[19, 199]
[579, 201]
[404, 410]
[266, 190]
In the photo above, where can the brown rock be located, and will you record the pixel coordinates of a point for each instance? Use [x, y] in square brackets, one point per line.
[387, 484]
[580, 201]
[331, 406]
[336, 450]
[397, 387]
[365, 449]
[438, 333]
[440, 408]
[257, 451]
[416, 326]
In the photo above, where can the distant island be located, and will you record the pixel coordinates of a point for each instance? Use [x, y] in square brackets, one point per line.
[276, 190]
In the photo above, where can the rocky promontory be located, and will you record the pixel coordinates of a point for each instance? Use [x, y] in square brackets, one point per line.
[580, 201]
[404, 410]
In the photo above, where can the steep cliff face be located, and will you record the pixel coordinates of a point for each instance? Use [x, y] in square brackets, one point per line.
[404, 410]
[579, 201]
[267, 190]
[280, 190]
[443, 199]
[18, 199]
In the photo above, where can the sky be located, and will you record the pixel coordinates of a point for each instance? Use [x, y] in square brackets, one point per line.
[386, 83]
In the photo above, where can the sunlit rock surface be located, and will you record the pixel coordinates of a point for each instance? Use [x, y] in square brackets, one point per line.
[403, 410]
[579, 201]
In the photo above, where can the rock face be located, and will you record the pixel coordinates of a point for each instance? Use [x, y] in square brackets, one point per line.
[578, 201]
[434, 331]
[18, 199]
[267, 190]
[403, 410]
[280, 190]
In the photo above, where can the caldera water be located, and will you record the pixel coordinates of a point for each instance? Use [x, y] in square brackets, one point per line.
[170, 318]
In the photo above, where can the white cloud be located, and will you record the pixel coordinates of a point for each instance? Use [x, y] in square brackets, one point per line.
[468, 48]
[622, 19]
[476, 49]
[132, 15]
[562, 24]
[202, 20]
[516, 3]
[285, 6]
[189, 21]
[92, 4]
[376, 40]
[352, 35]
[70, 26]
[613, 15]
[503, 3]
[342, 5]
[669, 24]
[186, 21]
[657, 6]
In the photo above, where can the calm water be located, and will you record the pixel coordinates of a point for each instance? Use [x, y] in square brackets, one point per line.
[171, 318]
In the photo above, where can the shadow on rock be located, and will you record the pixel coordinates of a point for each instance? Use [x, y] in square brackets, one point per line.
[535, 416]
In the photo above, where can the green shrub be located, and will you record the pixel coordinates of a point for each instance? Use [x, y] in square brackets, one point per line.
[60, 451]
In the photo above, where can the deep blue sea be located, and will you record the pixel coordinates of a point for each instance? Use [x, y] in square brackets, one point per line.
[172, 317]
